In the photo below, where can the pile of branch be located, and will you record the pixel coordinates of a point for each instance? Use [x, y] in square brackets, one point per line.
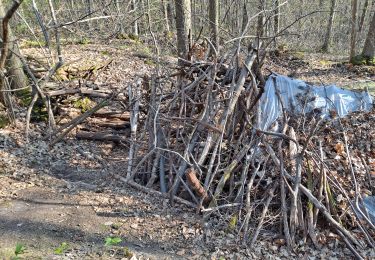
[200, 141]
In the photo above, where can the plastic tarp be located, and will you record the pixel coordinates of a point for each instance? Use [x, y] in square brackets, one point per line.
[369, 203]
[298, 98]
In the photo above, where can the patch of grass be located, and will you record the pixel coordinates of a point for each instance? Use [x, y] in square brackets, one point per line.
[33, 44]
[112, 241]
[19, 250]
[61, 249]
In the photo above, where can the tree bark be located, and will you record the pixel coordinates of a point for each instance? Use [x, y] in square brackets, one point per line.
[170, 14]
[369, 48]
[276, 21]
[261, 19]
[327, 39]
[165, 13]
[183, 26]
[213, 11]
[135, 24]
[362, 19]
[354, 29]
[13, 64]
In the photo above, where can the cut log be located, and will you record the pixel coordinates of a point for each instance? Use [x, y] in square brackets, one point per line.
[108, 122]
[83, 91]
[100, 136]
[113, 114]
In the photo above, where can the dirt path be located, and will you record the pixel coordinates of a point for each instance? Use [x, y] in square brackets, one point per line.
[42, 218]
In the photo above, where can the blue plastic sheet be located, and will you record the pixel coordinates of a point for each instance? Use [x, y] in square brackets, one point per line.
[298, 98]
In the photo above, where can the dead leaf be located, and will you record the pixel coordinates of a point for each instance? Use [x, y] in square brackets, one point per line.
[339, 148]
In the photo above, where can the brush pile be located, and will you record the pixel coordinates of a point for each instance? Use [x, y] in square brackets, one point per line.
[194, 138]
[199, 140]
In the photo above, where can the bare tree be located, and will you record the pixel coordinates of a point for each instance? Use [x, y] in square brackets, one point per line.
[327, 39]
[13, 62]
[213, 11]
[362, 18]
[353, 37]
[135, 24]
[165, 13]
[4, 83]
[261, 19]
[369, 48]
[183, 26]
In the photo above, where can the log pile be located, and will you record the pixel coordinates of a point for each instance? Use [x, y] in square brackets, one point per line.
[198, 142]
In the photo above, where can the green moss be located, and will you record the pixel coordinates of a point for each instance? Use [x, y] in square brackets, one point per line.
[83, 41]
[84, 104]
[371, 61]
[169, 35]
[4, 121]
[105, 53]
[150, 62]
[133, 37]
[142, 51]
[121, 36]
[363, 60]
[232, 223]
[358, 60]
[21, 28]
[32, 44]
[127, 253]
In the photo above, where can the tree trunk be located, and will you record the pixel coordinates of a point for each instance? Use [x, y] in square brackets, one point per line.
[354, 29]
[135, 24]
[362, 19]
[14, 66]
[327, 40]
[213, 11]
[183, 26]
[170, 14]
[369, 48]
[276, 21]
[165, 13]
[245, 18]
[261, 19]
[118, 12]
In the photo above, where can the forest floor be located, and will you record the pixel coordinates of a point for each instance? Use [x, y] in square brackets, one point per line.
[63, 204]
